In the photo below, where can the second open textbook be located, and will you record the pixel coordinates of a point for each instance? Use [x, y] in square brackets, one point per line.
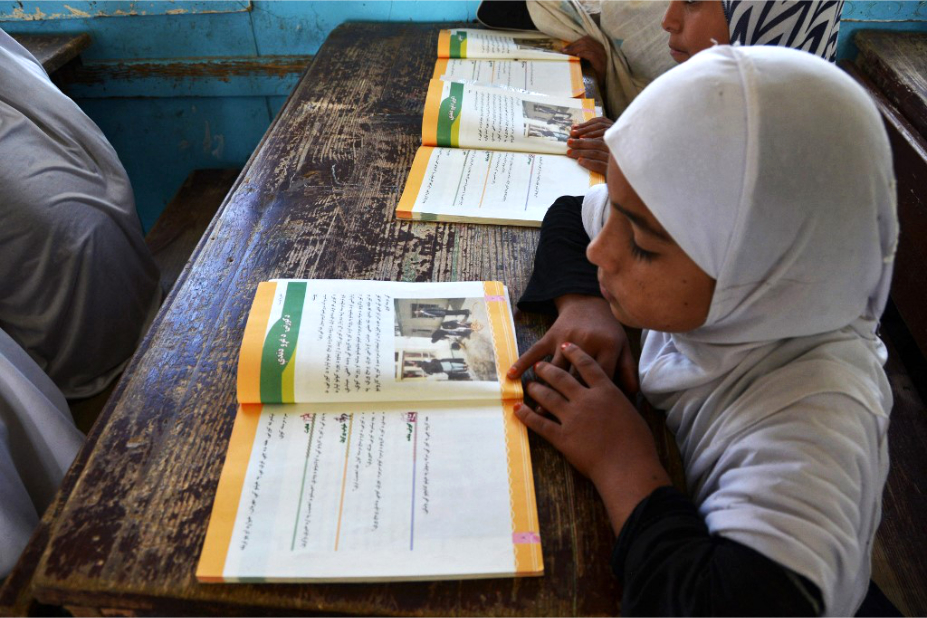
[399, 458]
[494, 156]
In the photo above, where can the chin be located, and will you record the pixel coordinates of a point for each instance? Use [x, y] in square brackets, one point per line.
[623, 317]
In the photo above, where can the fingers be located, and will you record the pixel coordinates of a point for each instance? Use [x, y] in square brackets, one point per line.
[544, 427]
[608, 361]
[559, 360]
[627, 372]
[595, 127]
[589, 149]
[590, 371]
[593, 165]
[579, 45]
[548, 398]
[534, 354]
[559, 380]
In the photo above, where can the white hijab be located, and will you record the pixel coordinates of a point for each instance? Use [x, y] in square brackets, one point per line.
[771, 169]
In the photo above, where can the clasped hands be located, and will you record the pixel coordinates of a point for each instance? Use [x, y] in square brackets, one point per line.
[589, 411]
[590, 420]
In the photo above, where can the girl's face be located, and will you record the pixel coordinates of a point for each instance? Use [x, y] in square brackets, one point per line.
[694, 26]
[648, 281]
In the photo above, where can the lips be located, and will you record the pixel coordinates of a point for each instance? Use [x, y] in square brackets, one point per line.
[605, 294]
[677, 54]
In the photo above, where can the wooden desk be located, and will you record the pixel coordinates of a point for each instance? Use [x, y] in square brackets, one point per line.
[54, 50]
[315, 200]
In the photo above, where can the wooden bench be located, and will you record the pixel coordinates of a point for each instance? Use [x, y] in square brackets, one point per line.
[54, 51]
[892, 66]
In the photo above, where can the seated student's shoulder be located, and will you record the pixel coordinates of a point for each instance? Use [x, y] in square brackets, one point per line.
[800, 479]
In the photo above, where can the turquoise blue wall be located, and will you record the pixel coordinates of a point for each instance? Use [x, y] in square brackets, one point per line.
[187, 84]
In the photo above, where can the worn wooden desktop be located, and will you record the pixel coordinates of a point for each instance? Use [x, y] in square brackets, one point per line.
[316, 200]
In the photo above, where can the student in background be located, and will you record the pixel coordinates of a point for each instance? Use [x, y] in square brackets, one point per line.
[753, 238]
[78, 286]
[38, 441]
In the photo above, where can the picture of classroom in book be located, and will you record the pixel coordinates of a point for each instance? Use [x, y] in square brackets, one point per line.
[442, 339]
[552, 122]
[549, 45]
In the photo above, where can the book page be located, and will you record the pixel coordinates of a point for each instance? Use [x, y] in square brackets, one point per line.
[555, 79]
[367, 492]
[513, 188]
[468, 116]
[341, 340]
[472, 43]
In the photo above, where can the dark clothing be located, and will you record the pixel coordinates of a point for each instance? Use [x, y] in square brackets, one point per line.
[666, 558]
[560, 264]
[670, 565]
[505, 14]
[436, 312]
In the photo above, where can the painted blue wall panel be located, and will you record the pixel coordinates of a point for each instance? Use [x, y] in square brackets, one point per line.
[301, 27]
[160, 141]
[20, 10]
[158, 36]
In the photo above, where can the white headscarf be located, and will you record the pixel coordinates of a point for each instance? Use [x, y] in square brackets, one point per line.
[771, 169]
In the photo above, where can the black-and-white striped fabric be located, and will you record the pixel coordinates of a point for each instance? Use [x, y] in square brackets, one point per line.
[808, 25]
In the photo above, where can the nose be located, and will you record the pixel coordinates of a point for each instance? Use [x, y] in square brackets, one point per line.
[672, 19]
[595, 251]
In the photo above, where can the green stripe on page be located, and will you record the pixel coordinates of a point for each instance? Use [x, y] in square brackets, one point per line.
[458, 44]
[277, 377]
[448, 134]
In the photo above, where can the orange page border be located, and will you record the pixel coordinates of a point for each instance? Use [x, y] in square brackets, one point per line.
[576, 78]
[444, 44]
[441, 68]
[527, 550]
[503, 338]
[430, 117]
[526, 539]
[414, 182]
[588, 109]
[252, 345]
[211, 568]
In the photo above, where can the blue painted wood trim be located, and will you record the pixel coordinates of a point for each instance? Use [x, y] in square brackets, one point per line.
[188, 77]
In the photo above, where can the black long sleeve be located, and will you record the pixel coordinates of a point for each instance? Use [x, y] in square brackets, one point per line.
[510, 14]
[671, 566]
[560, 264]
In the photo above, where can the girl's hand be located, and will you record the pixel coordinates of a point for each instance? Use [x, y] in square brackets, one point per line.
[599, 432]
[588, 321]
[592, 51]
[587, 144]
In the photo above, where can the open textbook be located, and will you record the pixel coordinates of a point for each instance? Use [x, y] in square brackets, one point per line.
[475, 43]
[555, 79]
[376, 439]
[490, 155]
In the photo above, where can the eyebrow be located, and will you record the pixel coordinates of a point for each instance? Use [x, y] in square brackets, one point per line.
[642, 223]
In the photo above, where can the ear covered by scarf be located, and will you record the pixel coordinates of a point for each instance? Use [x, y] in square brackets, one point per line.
[772, 171]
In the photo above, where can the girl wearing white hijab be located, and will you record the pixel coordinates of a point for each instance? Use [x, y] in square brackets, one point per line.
[753, 237]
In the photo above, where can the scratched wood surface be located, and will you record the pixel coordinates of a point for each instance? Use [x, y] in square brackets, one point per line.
[897, 63]
[54, 51]
[316, 200]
